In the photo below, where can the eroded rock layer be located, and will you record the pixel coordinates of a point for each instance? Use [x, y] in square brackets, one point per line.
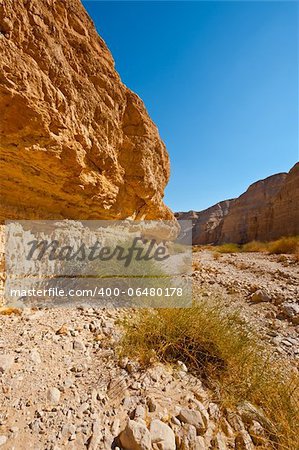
[207, 224]
[75, 141]
[267, 210]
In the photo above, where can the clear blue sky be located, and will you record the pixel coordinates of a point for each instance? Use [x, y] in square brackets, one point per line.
[220, 80]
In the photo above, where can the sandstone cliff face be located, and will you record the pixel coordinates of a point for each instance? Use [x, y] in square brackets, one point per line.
[75, 142]
[266, 211]
[283, 213]
[207, 224]
[247, 219]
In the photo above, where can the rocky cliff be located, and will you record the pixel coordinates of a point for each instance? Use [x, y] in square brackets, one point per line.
[248, 218]
[75, 141]
[283, 212]
[266, 211]
[207, 224]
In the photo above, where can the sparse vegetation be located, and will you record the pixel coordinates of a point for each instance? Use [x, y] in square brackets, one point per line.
[196, 248]
[216, 256]
[228, 248]
[9, 311]
[227, 355]
[196, 266]
[284, 245]
[255, 246]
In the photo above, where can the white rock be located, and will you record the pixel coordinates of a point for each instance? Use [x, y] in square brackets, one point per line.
[53, 395]
[115, 427]
[182, 366]
[243, 441]
[140, 412]
[227, 429]
[162, 435]
[78, 344]
[203, 411]
[6, 362]
[220, 442]
[3, 440]
[194, 418]
[199, 443]
[96, 436]
[35, 356]
[135, 436]
[187, 436]
[214, 411]
[68, 430]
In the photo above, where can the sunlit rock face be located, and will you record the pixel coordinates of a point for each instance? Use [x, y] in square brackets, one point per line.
[247, 219]
[266, 211]
[75, 141]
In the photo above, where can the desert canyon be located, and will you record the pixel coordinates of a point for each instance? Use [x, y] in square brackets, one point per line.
[76, 143]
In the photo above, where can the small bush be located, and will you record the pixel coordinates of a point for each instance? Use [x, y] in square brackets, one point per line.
[226, 355]
[196, 266]
[8, 311]
[284, 245]
[288, 245]
[196, 248]
[228, 248]
[254, 246]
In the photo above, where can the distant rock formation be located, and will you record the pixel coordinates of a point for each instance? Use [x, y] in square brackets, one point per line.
[283, 213]
[75, 141]
[247, 219]
[207, 224]
[266, 211]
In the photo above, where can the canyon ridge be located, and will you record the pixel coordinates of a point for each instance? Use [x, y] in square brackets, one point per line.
[268, 210]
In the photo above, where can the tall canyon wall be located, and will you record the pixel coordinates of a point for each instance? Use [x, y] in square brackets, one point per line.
[266, 211]
[75, 141]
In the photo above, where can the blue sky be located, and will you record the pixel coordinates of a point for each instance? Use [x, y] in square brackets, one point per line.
[220, 80]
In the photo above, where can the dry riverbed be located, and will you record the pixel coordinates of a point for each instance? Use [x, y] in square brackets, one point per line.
[64, 386]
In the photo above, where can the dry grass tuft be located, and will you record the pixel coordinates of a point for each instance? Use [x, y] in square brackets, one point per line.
[255, 246]
[284, 245]
[196, 266]
[196, 248]
[228, 248]
[228, 356]
[216, 256]
[9, 311]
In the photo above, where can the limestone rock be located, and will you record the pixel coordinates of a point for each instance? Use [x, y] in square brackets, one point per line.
[135, 436]
[6, 362]
[162, 435]
[193, 417]
[3, 440]
[53, 395]
[75, 141]
[243, 441]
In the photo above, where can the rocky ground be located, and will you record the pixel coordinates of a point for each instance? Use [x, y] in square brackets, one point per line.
[265, 288]
[63, 384]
